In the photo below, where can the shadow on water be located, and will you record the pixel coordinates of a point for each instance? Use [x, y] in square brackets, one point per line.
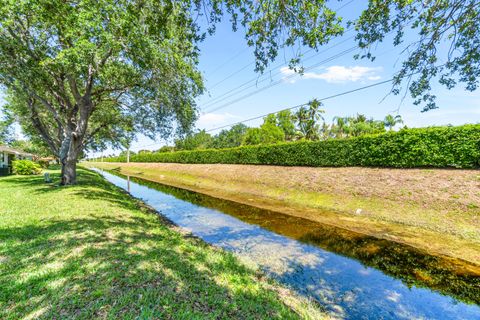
[354, 274]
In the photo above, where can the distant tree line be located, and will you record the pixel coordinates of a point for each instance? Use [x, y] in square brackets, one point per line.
[307, 123]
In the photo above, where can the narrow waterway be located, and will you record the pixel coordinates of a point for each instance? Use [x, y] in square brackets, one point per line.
[353, 276]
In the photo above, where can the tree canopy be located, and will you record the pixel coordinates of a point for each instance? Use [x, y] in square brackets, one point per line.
[78, 73]
[6, 134]
[447, 48]
[198, 140]
[230, 138]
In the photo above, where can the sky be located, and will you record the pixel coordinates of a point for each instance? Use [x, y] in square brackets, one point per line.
[227, 64]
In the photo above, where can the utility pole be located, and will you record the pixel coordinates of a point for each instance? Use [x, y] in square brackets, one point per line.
[128, 154]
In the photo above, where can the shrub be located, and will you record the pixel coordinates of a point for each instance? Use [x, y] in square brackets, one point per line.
[457, 147]
[43, 163]
[26, 167]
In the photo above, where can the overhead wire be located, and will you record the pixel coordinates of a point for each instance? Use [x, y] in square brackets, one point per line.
[228, 61]
[252, 63]
[282, 80]
[291, 108]
[304, 104]
[286, 78]
[254, 81]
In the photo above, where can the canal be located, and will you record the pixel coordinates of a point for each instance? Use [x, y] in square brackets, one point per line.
[353, 276]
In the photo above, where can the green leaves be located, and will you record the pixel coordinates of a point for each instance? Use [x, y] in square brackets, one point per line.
[273, 25]
[26, 167]
[199, 140]
[446, 48]
[442, 147]
[102, 63]
[6, 130]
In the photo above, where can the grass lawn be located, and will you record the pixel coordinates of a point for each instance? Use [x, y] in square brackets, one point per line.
[90, 251]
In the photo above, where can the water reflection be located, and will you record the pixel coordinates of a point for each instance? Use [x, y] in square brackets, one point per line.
[354, 276]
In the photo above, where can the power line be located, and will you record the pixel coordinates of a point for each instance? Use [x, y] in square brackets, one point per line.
[300, 105]
[344, 5]
[278, 81]
[252, 63]
[304, 104]
[291, 108]
[282, 80]
[271, 85]
[254, 81]
[255, 118]
[231, 75]
[228, 61]
[290, 76]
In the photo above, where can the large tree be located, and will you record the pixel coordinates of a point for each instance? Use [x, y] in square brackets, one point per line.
[197, 140]
[77, 69]
[267, 133]
[77, 72]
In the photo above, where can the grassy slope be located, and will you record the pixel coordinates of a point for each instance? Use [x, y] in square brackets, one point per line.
[90, 251]
[436, 210]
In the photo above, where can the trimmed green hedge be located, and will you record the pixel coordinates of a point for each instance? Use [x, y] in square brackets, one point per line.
[457, 147]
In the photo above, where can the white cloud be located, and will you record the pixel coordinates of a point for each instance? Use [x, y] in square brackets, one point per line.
[214, 119]
[336, 74]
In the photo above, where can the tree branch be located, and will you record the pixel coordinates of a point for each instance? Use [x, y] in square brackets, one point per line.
[73, 86]
[37, 122]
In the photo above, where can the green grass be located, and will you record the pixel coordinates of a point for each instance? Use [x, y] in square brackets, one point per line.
[90, 251]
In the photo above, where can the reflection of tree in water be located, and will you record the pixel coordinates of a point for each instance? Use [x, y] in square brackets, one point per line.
[414, 267]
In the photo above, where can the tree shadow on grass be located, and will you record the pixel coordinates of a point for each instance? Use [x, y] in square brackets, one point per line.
[90, 185]
[125, 265]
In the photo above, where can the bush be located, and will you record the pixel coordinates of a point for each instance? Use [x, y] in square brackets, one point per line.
[457, 147]
[26, 167]
[43, 163]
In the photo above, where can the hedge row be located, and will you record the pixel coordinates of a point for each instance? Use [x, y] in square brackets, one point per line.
[457, 147]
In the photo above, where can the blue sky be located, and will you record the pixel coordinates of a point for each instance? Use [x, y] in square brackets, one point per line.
[227, 62]
[226, 53]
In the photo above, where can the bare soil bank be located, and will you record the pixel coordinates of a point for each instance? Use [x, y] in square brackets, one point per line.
[432, 209]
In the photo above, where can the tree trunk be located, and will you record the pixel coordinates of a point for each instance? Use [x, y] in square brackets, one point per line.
[69, 172]
[68, 157]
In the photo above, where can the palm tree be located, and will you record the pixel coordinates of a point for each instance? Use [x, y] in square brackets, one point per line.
[339, 127]
[301, 118]
[360, 118]
[391, 121]
[314, 110]
[314, 114]
[326, 131]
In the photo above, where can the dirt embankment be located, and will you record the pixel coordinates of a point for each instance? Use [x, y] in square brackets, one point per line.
[433, 209]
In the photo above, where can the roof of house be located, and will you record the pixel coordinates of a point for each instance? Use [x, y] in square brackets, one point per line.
[15, 151]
